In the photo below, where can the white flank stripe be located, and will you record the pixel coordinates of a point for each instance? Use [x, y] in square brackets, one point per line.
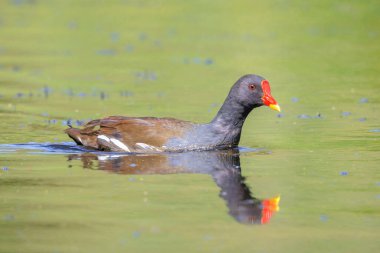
[80, 140]
[120, 144]
[146, 146]
[104, 138]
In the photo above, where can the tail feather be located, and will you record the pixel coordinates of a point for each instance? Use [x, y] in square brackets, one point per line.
[74, 134]
[83, 138]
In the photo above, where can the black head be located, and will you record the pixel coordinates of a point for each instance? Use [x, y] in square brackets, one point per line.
[252, 91]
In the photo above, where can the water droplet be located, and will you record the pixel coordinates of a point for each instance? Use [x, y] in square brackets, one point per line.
[16, 68]
[157, 43]
[209, 61]
[106, 52]
[126, 93]
[323, 217]
[295, 100]
[129, 48]
[102, 95]
[47, 91]
[345, 114]
[72, 25]
[8, 217]
[136, 234]
[115, 36]
[143, 36]
[19, 95]
[196, 60]
[79, 122]
[52, 121]
[304, 116]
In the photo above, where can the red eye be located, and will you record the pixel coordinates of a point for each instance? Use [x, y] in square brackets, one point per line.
[252, 87]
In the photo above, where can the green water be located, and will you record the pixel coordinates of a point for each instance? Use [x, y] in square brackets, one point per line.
[83, 60]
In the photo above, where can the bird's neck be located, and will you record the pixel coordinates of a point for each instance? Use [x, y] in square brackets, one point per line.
[230, 116]
[229, 121]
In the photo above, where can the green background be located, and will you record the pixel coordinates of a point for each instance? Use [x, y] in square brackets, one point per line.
[83, 60]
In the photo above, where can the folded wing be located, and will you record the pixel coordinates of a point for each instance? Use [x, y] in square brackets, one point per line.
[129, 134]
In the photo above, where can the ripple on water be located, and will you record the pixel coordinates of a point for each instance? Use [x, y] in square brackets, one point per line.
[43, 148]
[73, 148]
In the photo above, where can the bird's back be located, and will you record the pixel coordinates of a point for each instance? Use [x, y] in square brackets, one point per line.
[129, 134]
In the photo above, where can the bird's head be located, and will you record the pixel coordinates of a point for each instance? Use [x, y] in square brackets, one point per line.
[253, 91]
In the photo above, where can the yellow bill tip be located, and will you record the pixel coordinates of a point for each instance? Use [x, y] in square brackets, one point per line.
[275, 107]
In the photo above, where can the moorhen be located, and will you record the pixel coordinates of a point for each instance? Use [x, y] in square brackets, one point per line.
[149, 134]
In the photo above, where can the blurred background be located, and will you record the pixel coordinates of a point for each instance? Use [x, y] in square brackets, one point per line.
[80, 60]
[75, 61]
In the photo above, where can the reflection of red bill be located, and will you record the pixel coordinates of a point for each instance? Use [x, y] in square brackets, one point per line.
[267, 97]
[269, 207]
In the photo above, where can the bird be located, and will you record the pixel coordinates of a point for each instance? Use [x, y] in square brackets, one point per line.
[152, 134]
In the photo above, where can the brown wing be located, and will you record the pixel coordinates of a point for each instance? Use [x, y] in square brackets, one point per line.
[129, 134]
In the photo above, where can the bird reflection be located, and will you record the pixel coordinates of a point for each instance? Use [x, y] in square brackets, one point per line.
[223, 166]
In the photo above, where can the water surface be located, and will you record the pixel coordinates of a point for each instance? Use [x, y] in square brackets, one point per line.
[68, 61]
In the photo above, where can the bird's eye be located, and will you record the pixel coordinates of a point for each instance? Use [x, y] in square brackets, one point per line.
[252, 87]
